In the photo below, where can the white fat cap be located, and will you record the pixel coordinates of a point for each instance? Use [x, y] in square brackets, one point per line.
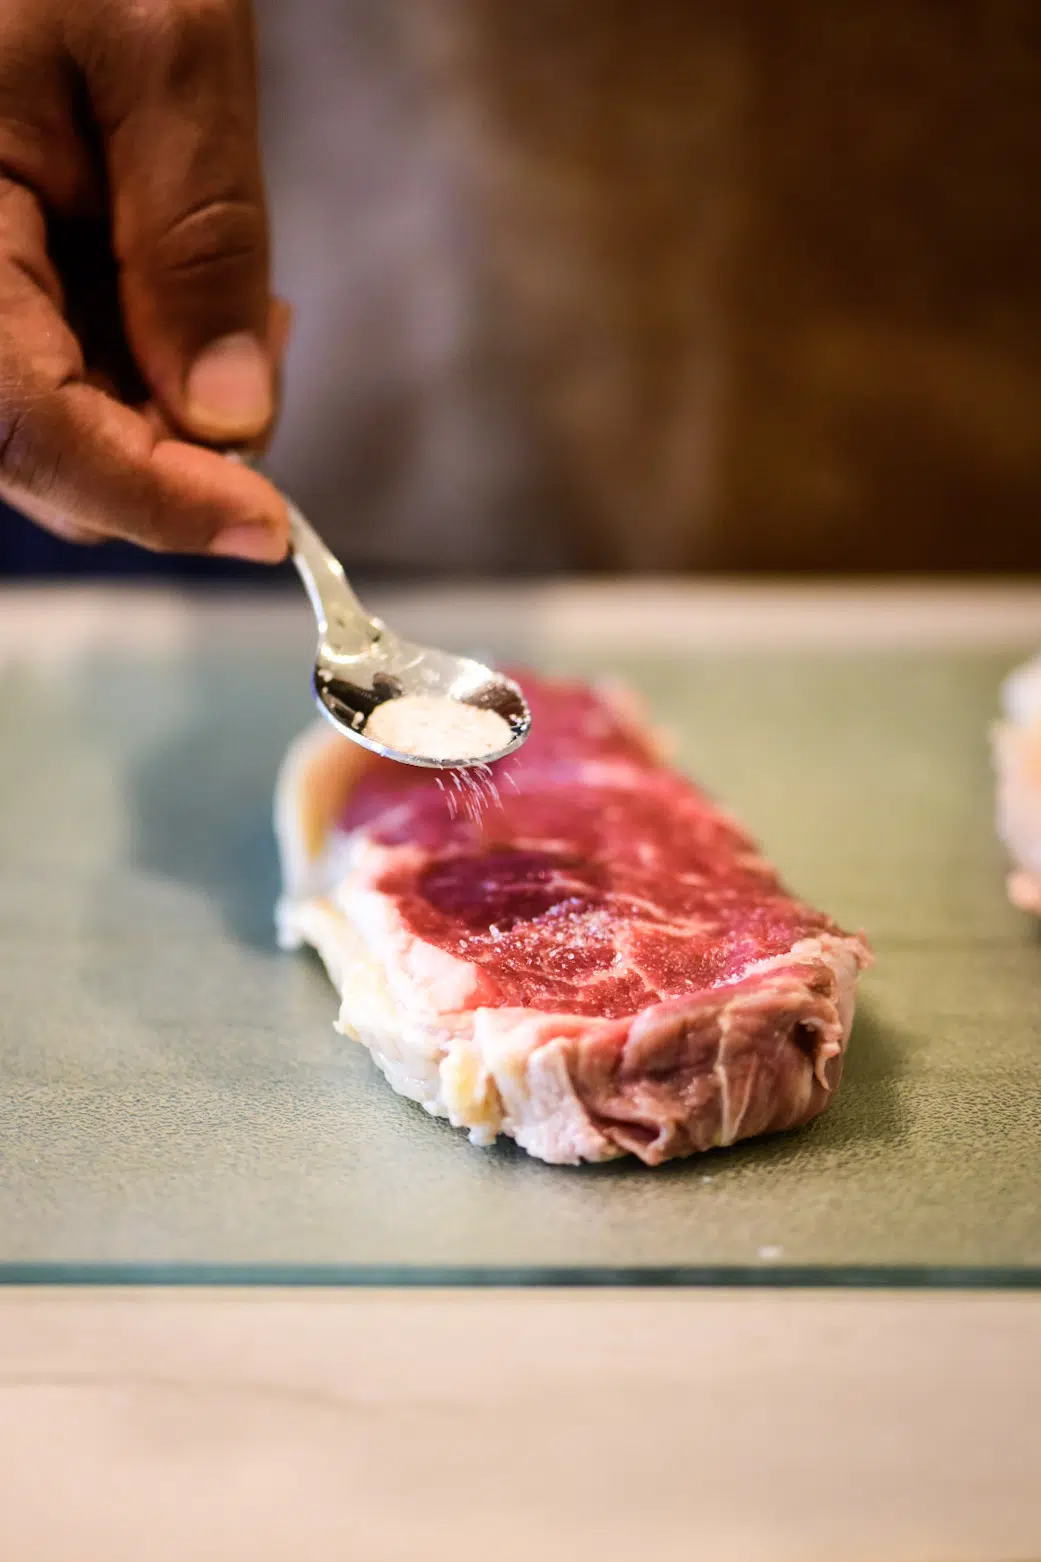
[1021, 694]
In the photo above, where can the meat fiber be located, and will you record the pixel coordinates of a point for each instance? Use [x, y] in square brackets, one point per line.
[599, 962]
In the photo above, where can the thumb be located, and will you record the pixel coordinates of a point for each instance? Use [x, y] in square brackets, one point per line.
[175, 98]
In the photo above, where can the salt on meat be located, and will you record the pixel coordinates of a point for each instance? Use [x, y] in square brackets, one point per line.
[600, 962]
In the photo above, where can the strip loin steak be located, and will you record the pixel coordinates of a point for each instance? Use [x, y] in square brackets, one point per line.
[603, 964]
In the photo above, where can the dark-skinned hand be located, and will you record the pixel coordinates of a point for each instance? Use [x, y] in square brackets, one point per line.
[136, 322]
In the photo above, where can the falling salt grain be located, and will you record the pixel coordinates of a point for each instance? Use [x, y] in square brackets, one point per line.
[435, 727]
[770, 1252]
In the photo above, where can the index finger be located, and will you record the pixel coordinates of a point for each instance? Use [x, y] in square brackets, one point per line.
[83, 464]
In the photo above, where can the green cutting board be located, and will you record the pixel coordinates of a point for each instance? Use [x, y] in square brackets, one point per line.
[175, 1104]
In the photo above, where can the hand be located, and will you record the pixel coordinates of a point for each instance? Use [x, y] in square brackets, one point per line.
[135, 312]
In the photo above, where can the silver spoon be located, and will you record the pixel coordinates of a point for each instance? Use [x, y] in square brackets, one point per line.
[362, 665]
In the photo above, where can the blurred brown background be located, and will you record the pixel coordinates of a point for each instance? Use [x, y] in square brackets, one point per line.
[678, 285]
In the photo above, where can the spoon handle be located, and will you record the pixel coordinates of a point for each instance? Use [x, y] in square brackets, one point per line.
[336, 608]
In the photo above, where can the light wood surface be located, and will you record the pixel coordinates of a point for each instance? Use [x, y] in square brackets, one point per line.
[742, 1427]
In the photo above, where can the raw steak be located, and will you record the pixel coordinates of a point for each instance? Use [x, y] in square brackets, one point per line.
[602, 962]
[1016, 750]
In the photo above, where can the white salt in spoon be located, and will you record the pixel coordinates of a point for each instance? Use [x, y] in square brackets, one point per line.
[408, 702]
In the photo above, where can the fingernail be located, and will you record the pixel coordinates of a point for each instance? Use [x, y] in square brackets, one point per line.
[228, 387]
[258, 544]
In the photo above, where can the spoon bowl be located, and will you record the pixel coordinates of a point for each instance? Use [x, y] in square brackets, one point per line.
[362, 665]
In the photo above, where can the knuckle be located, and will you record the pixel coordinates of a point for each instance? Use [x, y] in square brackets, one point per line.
[30, 461]
[181, 29]
[220, 237]
[213, 263]
[201, 27]
[170, 532]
